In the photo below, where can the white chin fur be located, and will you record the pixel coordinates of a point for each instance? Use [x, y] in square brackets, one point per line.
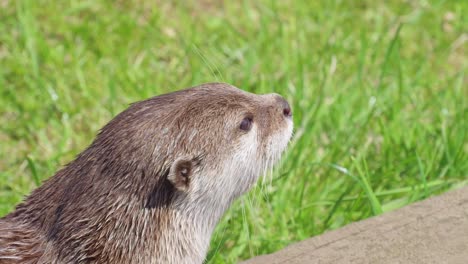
[246, 165]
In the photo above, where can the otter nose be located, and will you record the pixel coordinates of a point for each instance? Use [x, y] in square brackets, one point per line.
[284, 106]
[287, 111]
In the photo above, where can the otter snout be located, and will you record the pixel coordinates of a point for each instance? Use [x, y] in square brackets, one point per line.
[285, 108]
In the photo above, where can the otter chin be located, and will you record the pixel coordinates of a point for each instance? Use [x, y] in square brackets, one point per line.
[154, 182]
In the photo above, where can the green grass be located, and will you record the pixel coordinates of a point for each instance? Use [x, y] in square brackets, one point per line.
[378, 90]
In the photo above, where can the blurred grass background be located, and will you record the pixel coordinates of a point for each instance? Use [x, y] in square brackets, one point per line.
[378, 90]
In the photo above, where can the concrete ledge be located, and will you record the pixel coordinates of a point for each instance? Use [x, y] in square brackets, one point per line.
[431, 231]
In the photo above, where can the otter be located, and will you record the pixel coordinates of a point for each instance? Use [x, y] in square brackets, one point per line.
[154, 182]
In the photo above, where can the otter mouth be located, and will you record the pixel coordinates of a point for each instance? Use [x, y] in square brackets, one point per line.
[278, 144]
[274, 149]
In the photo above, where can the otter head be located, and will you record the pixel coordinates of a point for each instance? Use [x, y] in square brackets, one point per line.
[209, 143]
[185, 156]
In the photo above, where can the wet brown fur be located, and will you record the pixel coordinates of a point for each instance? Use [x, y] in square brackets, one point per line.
[115, 198]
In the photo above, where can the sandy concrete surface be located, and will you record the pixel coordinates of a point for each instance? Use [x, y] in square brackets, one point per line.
[431, 231]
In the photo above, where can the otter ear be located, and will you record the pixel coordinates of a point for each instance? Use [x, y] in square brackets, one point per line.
[180, 173]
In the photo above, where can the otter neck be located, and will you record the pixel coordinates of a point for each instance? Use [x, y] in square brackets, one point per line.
[117, 221]
[108, 226]
[178, 234]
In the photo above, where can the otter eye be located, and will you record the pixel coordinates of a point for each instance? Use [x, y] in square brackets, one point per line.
[246, 124]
